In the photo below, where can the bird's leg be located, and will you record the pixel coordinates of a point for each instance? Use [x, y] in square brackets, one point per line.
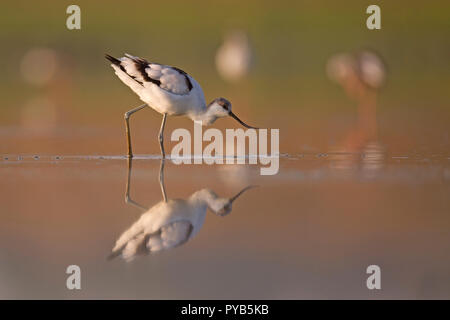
[161, 135]
[127, 192]
[127, 127]
[161, 180]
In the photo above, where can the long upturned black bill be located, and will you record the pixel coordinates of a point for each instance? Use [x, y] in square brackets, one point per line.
[240, 121]
[241, 192]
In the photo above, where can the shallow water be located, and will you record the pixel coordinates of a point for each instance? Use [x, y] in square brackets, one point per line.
[308, 232]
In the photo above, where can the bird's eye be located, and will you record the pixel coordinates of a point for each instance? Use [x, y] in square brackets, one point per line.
[223, 105]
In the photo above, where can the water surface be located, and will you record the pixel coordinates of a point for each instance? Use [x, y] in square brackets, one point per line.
[308, 232]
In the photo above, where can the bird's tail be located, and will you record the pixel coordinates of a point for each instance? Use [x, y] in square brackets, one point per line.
[112, 59]
[113, 254]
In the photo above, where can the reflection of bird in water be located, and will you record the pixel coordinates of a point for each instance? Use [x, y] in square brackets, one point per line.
[168, 90]
[233, 58]
[361, 74]
[234, 175]
[169, 223]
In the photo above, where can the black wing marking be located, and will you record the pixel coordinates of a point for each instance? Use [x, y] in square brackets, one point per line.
[115, 61]
[140, 65]
[142, 246]
[188, 82]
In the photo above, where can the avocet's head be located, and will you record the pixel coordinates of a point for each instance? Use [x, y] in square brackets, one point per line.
[221, 107]
[223, 206]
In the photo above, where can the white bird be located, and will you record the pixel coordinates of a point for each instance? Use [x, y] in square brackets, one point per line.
[169, 223]
[358, 71]
[169, 91]
[233, 58]
[362, 74]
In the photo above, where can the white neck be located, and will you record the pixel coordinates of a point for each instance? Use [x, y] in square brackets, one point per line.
[209, 198]
[207, 117]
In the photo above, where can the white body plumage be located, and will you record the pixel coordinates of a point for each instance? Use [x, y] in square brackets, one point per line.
[172, 96]
[169, 224]
[169, 91]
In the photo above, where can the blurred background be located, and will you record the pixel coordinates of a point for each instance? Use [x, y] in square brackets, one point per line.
[297, 66]
[59, 94]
